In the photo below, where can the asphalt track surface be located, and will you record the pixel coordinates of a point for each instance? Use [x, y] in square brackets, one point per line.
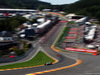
[90, 64]
[46, 46]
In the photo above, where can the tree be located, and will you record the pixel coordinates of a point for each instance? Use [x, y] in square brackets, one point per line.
[98, 15]
[9, 24]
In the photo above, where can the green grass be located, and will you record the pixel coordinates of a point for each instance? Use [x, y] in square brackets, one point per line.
[40, 59]
[64, 34]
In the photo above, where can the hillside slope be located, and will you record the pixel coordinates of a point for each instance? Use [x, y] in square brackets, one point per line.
[27, 4]
[86, 7]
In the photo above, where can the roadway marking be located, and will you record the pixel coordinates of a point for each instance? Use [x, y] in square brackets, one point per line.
[20, 68]
[34, 45]
[44, 39]
[53, 47]
[39, 49]
[55, 60]
[57, 69]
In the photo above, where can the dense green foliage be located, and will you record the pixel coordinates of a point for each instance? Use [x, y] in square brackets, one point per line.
[85, 7]
[19, 52]
[90, 8]
[40, 59]
[61, 37]
[26, 4]
[10, 24]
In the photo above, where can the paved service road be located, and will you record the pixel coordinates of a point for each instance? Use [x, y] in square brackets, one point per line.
[63, 61]
[89, 66]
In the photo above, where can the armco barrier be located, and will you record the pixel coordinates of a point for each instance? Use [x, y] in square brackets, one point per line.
[3, 60]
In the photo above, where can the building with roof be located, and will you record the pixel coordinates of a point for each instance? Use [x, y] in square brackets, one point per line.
[6, 36]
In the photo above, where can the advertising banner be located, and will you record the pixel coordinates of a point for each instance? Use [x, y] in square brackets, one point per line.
[82, 50]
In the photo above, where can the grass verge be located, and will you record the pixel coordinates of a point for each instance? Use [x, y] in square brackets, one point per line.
[61, 37]
[40, 59]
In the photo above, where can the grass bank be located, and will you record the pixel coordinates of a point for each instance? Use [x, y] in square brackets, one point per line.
[62, 36]
[40, 59]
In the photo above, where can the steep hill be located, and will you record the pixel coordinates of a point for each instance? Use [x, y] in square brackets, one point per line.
[87, 7]
[30, 4]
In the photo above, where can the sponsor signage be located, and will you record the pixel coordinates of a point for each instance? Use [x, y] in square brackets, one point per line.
[82, 50]
[68, 37]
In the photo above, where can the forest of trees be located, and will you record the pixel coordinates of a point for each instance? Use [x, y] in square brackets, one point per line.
[89, 8]
[85, 7]
[23, 4]
[9, 24]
